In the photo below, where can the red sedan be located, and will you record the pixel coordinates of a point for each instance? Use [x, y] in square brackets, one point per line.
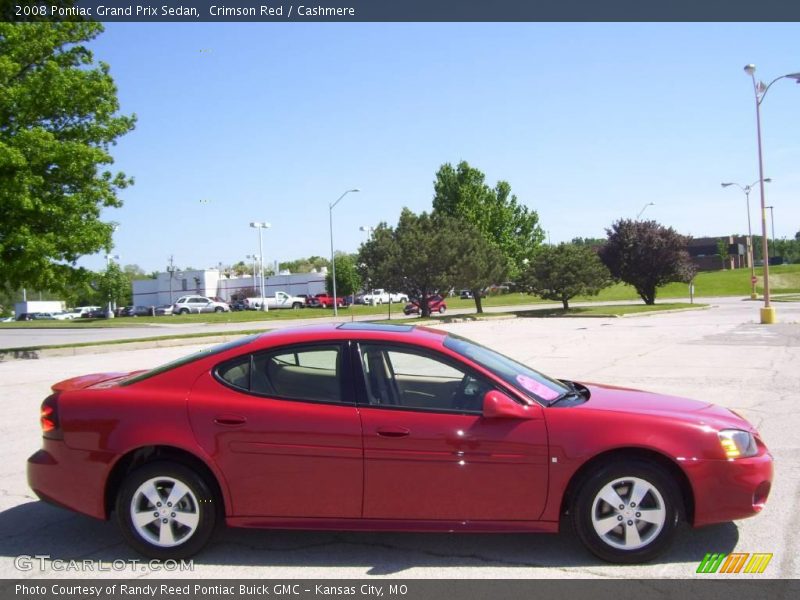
[435, 304]
[376, 427]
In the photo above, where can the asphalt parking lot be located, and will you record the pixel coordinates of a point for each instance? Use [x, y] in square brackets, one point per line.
[720, 354]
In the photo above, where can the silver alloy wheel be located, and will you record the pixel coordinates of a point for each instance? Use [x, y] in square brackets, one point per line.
[164, 511]
[628, 513]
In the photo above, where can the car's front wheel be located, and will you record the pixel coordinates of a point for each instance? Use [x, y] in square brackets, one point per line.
[628, 512]
[166, 511]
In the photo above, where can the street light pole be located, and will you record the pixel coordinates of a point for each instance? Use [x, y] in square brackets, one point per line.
[772, 218]
[750, 255]
[644, 208]
[760, 91]
[261, 225]
[331, 206]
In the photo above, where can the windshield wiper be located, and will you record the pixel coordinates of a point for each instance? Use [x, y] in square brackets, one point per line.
[572, 392]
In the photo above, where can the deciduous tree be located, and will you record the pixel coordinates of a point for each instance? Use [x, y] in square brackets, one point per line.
[348, 280]
[58, 119]
[513, 228]
[646, 255]
[565, 271]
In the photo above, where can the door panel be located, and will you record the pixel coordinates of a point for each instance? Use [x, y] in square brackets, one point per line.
[280, 457]
[430, 454]
[451, 466]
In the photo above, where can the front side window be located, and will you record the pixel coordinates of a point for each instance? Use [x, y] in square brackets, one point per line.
[405, 378]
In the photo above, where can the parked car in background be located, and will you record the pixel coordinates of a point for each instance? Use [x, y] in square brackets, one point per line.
[465, 295]
[135, 311]
[25, 317]
[326, 301]
[164, 310]
[381, 296]
[375, 427]
[95, 313]
[237, 305]
[198, 304]
[435, 303]
[280, 300]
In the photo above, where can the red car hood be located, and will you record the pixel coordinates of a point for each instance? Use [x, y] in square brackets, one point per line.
[606, 397]
[93, 380]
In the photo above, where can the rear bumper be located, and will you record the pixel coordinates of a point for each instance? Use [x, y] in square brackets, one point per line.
[73, 479]
[726, 490]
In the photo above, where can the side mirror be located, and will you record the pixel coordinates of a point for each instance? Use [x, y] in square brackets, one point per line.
[497, 405]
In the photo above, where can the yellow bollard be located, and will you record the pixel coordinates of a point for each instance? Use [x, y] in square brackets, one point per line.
[768, 316]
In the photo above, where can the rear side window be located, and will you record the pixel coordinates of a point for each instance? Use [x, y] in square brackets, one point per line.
[236, 372]
[311, 373]
[190, 359]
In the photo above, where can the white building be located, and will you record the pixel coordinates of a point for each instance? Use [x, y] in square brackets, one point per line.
[168, 287]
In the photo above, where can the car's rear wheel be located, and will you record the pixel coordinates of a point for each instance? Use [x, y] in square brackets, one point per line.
[183, 311]
[166, 510]
[441, 310]
[218, 309]
[628, 512]
[297, 306]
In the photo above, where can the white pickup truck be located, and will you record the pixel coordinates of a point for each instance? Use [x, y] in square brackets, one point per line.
[280, 300]
[381, 296]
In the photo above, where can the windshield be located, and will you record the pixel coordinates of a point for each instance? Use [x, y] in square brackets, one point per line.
[533, 384]
[185, 360]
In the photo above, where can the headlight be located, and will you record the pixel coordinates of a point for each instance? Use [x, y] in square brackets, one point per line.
[737, 444]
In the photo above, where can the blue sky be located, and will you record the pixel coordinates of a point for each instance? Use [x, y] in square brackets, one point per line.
[587, 122]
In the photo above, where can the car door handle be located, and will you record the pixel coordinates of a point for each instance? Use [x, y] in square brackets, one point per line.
[230, 420]
[394, 432]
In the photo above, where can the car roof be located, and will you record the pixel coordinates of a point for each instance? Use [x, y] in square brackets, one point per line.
[354, 330]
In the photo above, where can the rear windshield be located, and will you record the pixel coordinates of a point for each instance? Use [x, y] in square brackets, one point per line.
[533, 384]
[185, 360]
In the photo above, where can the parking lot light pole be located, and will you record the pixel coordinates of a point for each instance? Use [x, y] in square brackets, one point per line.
[261, 225]
[760, 91]
[750, 255]
[772, 218]
[331, 206]
[644, 208]
[109, 258]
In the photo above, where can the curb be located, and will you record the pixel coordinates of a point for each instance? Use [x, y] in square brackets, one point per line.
[37, 353]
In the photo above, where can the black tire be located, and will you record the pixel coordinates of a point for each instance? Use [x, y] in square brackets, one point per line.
[441, 310]
[218, 309]
[197, 503]
[632, 539]
[183, 311]
[297, 306]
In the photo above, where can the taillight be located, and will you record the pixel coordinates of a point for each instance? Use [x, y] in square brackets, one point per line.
[51, 428]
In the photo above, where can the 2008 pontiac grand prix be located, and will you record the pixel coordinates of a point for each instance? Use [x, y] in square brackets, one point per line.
[377, 427]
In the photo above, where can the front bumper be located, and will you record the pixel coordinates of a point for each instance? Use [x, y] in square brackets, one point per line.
[726, 490]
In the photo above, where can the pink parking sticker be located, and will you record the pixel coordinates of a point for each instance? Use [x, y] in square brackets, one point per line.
[533, 386]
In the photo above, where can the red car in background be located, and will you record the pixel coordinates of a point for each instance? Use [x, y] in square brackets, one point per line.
[375, 427]
[435, 303]
[326, 301]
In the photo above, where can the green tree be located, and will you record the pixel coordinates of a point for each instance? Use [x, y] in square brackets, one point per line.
[462, 192]
[307, 265]
[114, 286]
[722, 250]
[426, 254]
[348, 280]
[646, 255]
[565, 271]
[58, 119]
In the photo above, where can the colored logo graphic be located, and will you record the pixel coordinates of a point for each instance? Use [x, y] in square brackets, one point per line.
[737, 562]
